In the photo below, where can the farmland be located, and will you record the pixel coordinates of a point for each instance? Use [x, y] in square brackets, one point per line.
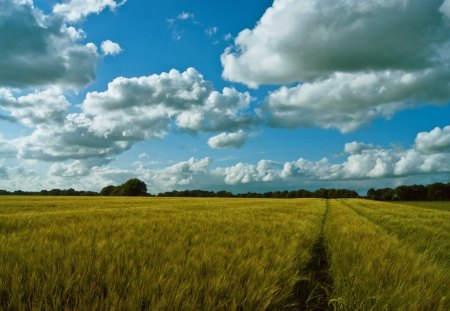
[222, 254]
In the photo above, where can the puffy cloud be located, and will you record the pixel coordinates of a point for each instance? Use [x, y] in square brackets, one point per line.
[355, 60]
[437, 140]
[130, 110]
[348, 100]
[20, 178]
[144, 107]
[365, 161]
[92, 175]
[48, 52]
[79, 175]
[227, 140]
[182, 175]
[41, 107]
[73, 140]
[264, 171]
[110, 48]
[76, 168]
[356, 147]
[304, 40]
[76, 10]
[363, 164]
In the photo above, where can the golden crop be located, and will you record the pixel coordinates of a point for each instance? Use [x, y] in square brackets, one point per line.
[153, 253]
[97, 253]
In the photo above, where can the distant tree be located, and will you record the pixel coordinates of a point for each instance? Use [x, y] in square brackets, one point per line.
[224, 194]
[385, 194]
[87, 193]
[302, 193]
[133, 187]
[371, 194]
[55, 192]
[69, 192]
[438, 192]
[411, 193]
[321, 193]
[106, 191]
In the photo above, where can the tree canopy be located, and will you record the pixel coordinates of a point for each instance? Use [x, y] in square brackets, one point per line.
[432, 192]
[133, 187]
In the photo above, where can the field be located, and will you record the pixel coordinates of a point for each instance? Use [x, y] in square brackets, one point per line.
[222, 254]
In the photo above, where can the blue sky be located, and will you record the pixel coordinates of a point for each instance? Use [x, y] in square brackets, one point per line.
[235, 95]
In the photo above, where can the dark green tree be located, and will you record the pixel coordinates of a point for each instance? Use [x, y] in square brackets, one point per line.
[133, 187]
[108, 190]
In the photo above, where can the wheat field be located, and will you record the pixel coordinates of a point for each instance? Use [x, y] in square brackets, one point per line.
[96, 253]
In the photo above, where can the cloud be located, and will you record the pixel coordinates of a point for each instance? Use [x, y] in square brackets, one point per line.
[353, 60]
[78, 175]
[21, 178]
[110, 48]
[437, 140]
[41, 107]
[305, 40]
[227, 140]
[48, 52]
[193, 173]
[365, 166]
[190, 174]
[7, 149]
[174, 24]
[365, 161]
[346, 101]
[73, 140]
[357, 147]
[76, 10]
[3, 173]
[185, 16]
[143, 108]
[264, 171]
[131, 110]
[75, 168]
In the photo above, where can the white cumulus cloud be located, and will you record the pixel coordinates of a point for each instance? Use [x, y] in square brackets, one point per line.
[364, 162]
[76, 10]
[41, 107]
[110, 48]
[353, 60]
[130, 110]
[437, 140]
[48, 52]
[348, 100]
[227, 140]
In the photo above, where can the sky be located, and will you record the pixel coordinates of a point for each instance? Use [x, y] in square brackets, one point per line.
[233, 95]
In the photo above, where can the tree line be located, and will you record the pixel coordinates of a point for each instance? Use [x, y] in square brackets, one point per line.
[136, 187]
[431, 192]
[52, 192]
[302, 193]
